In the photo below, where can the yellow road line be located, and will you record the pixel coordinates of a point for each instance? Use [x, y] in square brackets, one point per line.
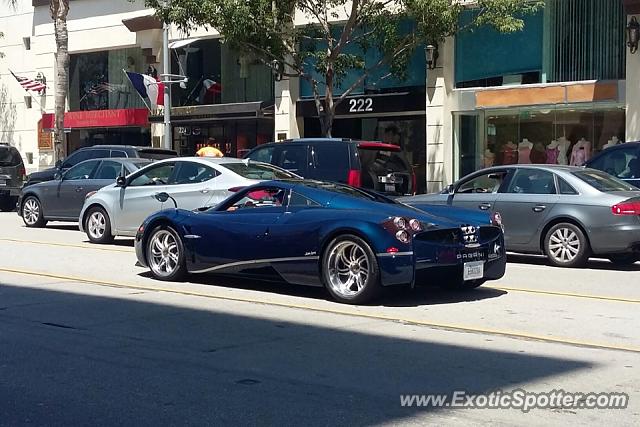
[338, 311]
[564, 294]
[69, 245]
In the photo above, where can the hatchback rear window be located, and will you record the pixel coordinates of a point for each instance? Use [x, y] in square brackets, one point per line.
[385, 168]
[9, 156]
[602, 181]
[258, 171]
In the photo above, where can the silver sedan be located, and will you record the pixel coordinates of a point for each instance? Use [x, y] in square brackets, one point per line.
[192, 182]
[567, 213]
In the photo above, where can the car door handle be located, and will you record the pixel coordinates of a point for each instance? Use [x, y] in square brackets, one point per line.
[484, 206]
[539, 208]
[79, 189]
[205, 190]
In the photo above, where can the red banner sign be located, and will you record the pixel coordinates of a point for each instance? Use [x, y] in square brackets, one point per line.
[100, 118]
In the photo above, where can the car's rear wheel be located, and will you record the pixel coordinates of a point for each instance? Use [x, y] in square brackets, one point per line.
[8, 203]
[97, 226]
[566, 245]
[350, 270]
[624, 259]
[165, 254]
[32, 214]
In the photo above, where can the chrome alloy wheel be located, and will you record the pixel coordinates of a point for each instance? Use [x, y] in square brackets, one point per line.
[96, 225]
[164, 254]
[349, 269]
[564, 245]
[31, 211]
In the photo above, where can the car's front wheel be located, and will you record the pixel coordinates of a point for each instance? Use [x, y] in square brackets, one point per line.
[165, 254]
[350, 270]
[32, 214]
[97, 226]
[566, 245]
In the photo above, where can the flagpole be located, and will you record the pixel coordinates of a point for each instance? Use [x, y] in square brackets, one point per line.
[165, 65]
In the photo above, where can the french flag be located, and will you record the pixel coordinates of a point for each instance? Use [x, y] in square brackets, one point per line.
[150, 89]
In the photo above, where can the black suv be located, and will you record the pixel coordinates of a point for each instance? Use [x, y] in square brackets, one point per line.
[621, 161]
[12, 175]
[99, 152]
[373, 165]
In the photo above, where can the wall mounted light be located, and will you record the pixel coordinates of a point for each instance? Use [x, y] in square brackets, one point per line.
[633, 34]
[432, 56]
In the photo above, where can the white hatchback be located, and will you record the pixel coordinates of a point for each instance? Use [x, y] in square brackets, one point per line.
[193, 182]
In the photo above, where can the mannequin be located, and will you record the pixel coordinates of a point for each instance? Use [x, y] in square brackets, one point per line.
[509, 153]
[524, 151]
[552, 153]
[580, 153]
[610, 143]
[489, 158]
[563, 147]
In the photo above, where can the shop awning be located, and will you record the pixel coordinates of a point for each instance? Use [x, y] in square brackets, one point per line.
[182, 43]
[141, 23]
[240, 110]
[99, 119]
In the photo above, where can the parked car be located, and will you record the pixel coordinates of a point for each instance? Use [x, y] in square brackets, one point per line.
[349, 240]
[193, 182]
[621, 161]
[99, 152]
[62, 198]
[12, 176]
[568, 213]
[372, 165]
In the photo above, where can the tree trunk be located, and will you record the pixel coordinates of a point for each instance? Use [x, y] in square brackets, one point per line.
[59, 11]
[329, 108]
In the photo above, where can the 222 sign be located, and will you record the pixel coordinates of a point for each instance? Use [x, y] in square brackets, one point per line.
[361, 105]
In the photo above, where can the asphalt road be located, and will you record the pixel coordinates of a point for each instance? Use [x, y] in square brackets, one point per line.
[86, 337]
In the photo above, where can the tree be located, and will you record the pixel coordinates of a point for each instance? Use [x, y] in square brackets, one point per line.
[59, 9]
[341, 36]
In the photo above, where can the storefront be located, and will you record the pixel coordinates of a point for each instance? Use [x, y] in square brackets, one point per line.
[553, 124]
[396, 118]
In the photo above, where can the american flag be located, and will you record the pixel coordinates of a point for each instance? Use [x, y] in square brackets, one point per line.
[30, 84]
[105, 87]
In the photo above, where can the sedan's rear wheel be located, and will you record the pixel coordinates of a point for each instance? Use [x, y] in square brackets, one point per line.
[32, 214]
[566, 245]
[165, 254]
[98, 226]
[350, 270]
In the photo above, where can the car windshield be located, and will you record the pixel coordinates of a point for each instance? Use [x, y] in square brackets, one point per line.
[258, 171]
[602, 181]
[9, 156]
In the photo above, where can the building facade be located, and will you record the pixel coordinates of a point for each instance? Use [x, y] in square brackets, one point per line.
[491, 99]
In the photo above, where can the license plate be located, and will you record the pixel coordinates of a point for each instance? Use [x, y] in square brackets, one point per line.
[473, 270]
[389, 187]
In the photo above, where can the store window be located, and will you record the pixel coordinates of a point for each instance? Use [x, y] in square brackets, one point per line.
[218, 75]
[565, 136]
[97, 80]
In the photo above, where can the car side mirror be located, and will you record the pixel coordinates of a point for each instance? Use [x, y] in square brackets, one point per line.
[121, 181]
[162, 197]
[59, 164]
[451, 189]
[57, 176]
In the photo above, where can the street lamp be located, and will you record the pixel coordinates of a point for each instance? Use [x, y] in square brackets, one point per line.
[633, 34]
[432, 56]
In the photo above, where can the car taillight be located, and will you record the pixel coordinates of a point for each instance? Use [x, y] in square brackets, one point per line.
[22, 172]
[235, 189]
[626, 208]
[402, 228]
[354, 178]
[414, 183]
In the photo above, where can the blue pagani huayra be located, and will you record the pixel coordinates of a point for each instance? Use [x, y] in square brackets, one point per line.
[348, 240]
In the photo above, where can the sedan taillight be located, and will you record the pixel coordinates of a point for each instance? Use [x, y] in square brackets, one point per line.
[630, 207]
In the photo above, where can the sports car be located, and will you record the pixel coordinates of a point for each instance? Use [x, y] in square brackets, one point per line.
[351, 241]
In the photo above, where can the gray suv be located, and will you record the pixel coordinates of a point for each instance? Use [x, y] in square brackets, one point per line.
[12, 176]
